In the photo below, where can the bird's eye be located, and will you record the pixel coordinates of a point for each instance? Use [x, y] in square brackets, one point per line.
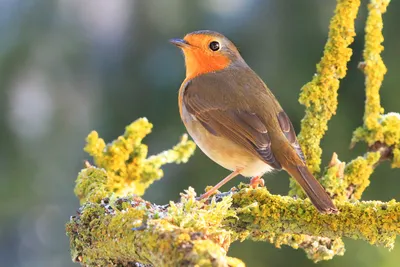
[214, 46]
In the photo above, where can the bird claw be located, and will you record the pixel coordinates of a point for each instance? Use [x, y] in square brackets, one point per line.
[256, 181]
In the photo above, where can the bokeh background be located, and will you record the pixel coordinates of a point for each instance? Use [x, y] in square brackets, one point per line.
[70, 66]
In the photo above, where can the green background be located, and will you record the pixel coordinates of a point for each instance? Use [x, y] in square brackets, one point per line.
[70, 66]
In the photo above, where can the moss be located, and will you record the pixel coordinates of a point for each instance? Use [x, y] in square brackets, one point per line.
[126, 168]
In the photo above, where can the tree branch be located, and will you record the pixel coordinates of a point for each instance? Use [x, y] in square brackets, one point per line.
[102, 234]
[319, 96]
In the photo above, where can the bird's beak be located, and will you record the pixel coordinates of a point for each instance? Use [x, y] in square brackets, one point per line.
[179, 42]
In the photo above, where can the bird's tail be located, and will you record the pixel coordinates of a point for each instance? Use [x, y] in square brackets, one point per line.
[313, 189]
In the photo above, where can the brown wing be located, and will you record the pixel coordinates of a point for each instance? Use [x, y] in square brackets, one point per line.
[209, 98]
[288, 130]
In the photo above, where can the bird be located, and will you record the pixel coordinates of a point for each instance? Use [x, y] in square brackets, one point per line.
[236, 120]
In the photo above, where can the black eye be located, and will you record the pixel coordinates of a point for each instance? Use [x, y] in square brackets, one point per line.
[214, 46]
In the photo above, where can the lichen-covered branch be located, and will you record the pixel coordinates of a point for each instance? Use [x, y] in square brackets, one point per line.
[343, 182]
[373, 65]
[126, 168]
[377, 128]
[316, 248]
[355, 177]
[349, 181]
[133, 230]
[115, 227]
[373, 221]
[320, 95]
[192, 232]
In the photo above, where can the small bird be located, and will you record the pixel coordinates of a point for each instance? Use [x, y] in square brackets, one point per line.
[236, 120]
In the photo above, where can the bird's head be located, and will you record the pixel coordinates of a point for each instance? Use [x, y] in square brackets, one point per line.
[207, 51]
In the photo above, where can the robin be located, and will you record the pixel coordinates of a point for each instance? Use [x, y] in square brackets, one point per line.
[236, 120]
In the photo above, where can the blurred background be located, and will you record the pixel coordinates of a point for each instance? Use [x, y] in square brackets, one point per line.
[70, 66]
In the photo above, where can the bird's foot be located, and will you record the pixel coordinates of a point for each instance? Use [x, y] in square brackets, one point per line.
[224, 181]
[256, 181]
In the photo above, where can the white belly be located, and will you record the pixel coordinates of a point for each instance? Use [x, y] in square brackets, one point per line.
[223, 151]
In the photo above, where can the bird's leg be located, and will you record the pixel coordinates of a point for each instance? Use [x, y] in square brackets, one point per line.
[224, 181]
[256, 181]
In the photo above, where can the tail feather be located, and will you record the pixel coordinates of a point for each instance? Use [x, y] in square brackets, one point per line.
[314, 190]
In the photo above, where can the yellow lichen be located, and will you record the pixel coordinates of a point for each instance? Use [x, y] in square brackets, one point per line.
[377, 127]
[192, 213]
[124, 160]
[374, 68]
[357, 174]
[396, 158]
[387, 132]
[355, 179]
[368, 220]
[102, 233]
[320, 95]
[316, 248]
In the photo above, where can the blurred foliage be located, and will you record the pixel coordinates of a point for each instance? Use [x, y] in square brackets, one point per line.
[69, 66]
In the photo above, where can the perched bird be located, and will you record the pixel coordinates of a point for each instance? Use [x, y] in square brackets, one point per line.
[236, 120]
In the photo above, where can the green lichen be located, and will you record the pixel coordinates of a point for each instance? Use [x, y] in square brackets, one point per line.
[316, 248]
[91, 185]
[127, 169]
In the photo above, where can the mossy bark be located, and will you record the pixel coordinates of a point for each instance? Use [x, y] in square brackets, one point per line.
[133, 230]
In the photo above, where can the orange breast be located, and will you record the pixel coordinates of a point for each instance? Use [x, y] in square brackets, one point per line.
[199, 62]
